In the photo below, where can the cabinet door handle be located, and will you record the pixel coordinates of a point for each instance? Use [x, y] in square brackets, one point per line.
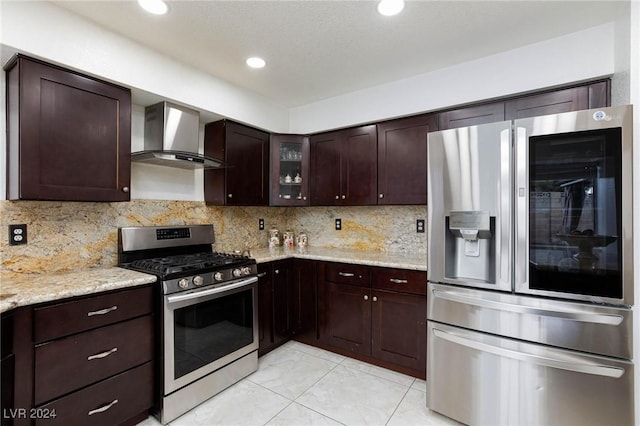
[277, 271]
[398, 281]
[380, 195]
[125, 189]
[103, 408]
[262, 274]
[366, 297]
[102, 354]
[344, 196]
[375, 299]
[337, 197]
[346, 274]
[230, 195]
[102, 311]
[304, 198]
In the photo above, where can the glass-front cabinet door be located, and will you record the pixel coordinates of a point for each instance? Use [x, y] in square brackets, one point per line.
[289, 170]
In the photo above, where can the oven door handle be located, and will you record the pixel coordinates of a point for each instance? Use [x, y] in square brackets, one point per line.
[198, 294]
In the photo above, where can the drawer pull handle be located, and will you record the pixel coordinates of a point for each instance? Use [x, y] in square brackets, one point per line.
[398, 281]
[103, 408]
[102, 354]
[102, 311]
[346, 274]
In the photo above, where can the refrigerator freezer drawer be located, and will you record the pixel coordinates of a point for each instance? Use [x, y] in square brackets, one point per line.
[480, 379]
[579, 326]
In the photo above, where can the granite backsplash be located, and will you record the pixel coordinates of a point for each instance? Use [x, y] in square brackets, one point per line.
[66, 236]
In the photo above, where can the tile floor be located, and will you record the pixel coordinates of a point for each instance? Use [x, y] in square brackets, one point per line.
[298, 384]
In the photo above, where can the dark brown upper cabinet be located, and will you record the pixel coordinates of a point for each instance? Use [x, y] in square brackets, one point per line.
[594, 95]
[68, 135]
[471, 116]
[244, 181]
[289, 170]
[402, 159]
[343, 168]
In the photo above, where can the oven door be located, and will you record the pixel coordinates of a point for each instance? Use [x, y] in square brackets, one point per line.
[207, 329]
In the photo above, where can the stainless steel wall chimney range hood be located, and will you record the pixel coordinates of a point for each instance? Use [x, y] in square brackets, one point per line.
[171, 138]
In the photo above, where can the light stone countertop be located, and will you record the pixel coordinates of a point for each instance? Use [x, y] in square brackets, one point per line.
[28, 289]
[20, 289]
[417, 262]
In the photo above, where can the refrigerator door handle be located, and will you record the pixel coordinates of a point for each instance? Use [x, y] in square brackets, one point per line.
[547, 357]
[521, 210]
[574, 314]
[504, 250]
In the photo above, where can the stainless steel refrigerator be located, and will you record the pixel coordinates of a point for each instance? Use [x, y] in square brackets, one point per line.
[530, 264]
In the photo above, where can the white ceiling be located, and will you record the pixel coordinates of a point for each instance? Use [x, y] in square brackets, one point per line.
[320, 49]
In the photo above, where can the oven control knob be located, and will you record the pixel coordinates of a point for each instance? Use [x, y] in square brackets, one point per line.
[237, 273]
[246, 270]
[183, 283]
[198, 280]
[218, 276]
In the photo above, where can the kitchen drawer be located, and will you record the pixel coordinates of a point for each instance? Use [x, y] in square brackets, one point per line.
[345, 273]
[402, 280]
[63, 319]
[64, 365]
[96, 405]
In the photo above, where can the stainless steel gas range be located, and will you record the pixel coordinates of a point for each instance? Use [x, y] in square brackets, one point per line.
[207, 322]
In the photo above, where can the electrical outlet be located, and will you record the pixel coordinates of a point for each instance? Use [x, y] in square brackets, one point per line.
[261, 224]
[420, 226]
[17, 234]
[338, 224]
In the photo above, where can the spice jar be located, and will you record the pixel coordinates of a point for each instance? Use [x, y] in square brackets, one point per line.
[274, 238]
[287, 239]
[301, 240]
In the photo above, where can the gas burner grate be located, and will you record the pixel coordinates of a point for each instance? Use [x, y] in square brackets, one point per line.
[186, 263]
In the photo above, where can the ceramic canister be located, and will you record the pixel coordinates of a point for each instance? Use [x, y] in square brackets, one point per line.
[302, 240]
[274, 238]
[287, 239]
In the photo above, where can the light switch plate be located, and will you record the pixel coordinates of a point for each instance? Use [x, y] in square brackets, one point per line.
[420, 226]
[338, 224]
[261, 224]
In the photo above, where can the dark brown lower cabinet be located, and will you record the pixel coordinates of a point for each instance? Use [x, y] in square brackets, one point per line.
[275, 304]
[305, 300]
[399, 328]
[108, 402]
[7, 369]
[348, 317]
[86, 360]
[375, 314]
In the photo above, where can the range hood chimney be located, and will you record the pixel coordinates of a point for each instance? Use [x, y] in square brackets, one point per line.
[171, 138]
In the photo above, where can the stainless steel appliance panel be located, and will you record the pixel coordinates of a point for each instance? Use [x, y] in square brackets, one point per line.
[470, 193]
[578, 326]
[501, 381]
[590, 259]
[206, 335]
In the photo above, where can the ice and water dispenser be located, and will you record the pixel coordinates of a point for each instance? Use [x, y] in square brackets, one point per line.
[470, 248]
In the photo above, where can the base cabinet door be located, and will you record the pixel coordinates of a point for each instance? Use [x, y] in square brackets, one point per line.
[265, 309]
[305, 300]
[398, 325]
[348, 317]
[282, 301]
[275, 304]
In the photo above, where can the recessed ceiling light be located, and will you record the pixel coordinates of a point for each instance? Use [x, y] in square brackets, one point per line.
[157, 7]
[256, 62]
[390, 7]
